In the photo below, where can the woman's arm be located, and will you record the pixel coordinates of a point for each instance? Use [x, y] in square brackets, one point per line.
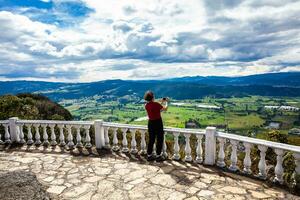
[164, 104]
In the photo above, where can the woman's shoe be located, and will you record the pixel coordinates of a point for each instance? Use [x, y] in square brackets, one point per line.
[151, 158]
[160, 158]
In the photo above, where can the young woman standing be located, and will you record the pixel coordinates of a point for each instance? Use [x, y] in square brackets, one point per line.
[155, 125]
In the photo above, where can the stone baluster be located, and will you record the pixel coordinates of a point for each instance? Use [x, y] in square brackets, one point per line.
[78, 137]
[106, 138]
[176, 155]
[88, 144]
[53, 136]
[143, 142]
[199, 150]
[133, 142]
[62, 142]
[115, 140]
[124, 140]
[297, 168]
[154, 149]
[233, 167]
[70, 137]
[45, 135]
[7, 135]
[37, 134]
[1, 142]
[164, 150]
[278, 168]
[29, 135]
[262, 166]
[22, 140]
[221, 154]
[187, 149]
[247, 159]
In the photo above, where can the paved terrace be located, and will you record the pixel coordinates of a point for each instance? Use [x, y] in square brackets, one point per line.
[110, 175]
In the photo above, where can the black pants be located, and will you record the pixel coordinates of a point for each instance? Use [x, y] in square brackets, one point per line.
[156, 131]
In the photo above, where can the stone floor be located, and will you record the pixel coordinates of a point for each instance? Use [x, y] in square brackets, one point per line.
[124, 177]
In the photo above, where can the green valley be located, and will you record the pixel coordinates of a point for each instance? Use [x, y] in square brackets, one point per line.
[243, 116]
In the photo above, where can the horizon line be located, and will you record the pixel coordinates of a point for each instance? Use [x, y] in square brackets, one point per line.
[158, 79]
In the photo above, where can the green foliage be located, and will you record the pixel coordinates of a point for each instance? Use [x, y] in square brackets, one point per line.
[31, 106]
[276, 136]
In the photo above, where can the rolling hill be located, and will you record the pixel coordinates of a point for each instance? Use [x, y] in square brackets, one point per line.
[275, 84]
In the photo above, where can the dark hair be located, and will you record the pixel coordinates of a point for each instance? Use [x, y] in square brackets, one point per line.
[148, 95]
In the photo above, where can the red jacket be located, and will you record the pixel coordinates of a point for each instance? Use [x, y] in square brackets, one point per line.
[153, 110]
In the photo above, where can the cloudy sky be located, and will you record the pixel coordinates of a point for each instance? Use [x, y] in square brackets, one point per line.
[90, 40]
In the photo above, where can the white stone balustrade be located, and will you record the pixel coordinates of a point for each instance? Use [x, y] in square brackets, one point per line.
[4, 124]
[188, 150]
[87, 137]
[247, 159]
[233, 157]
[164, 149]
[133, 142]
[124, 140]
[7, 135]
[221, 154]
[62, 142]
[37, 134]
[212, 140]
[199, 150]
[143, 142]
[210, 146]
[70, 137]
[176, 155]
[115, 140]
[278, 167]
[21, 132]
[53, 136]
[78, 137]
[29, 134]
[297, 168]
[106, 138]
[262, 166]
[154, 149]
[45, 135]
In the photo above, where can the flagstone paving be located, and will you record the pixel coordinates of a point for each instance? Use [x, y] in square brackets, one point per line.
[123, 177]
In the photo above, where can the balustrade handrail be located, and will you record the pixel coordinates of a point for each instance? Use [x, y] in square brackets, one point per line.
[54, 122]
[143, 127]
[4, 121]
[262, 142]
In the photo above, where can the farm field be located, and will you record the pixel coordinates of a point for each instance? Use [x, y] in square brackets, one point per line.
[243, 116]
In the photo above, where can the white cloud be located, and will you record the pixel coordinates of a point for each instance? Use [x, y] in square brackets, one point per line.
[151, 39]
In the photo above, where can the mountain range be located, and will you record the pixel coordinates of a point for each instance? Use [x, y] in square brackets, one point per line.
[272, 84]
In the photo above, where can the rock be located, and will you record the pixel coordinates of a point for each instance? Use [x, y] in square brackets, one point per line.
[22, 185]
[163, 180]
[233, 190]
[259, 195]
[192, 190]
[56, 189]
[138, 181]
[93, 179]
[78, 190]
[58, 182]
[102, 171]
[205, 193]
[122, 171]
[49, 179]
